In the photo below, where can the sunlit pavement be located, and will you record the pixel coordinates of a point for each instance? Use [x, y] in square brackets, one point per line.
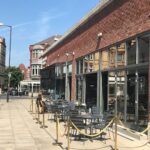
[18, 131]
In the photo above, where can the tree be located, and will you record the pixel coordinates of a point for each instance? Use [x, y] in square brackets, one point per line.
[16, 76]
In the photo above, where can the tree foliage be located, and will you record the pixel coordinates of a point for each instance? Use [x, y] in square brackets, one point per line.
[16, 76]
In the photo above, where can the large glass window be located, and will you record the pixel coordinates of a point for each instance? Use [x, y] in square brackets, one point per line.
[112, 55]
[143, 43]
[36, 53]
[131, 52]
[112, 91]
[121, 55]
[89, 63]
[105, 60]
[80, 66]
[77, 67]
[96, 60]
[59, 70]
[79, 92]
[70, 68]
[120, 93]
[36, 70]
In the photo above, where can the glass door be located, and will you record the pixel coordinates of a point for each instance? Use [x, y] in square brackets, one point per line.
[131, 96]
[137, 96]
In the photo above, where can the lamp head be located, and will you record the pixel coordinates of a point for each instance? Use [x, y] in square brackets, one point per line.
[67, 54]
[99, 34]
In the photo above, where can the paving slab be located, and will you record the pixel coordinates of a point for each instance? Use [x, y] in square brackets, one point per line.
[19, 131]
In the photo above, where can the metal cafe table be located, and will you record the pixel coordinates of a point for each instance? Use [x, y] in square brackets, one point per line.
[88, 121]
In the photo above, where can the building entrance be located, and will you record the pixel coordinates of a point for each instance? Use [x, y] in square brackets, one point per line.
[137, 96]
[91, 90]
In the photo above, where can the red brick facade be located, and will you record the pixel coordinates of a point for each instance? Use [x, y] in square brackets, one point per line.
[119, 20]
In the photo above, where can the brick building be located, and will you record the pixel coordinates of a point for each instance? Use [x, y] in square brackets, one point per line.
[24, 70]
[37, 63]
[105, 59]
[2, 61]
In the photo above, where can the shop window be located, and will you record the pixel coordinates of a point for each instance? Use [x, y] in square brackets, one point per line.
[80, 66]
[112, 58]
[96, 61]
[112, 91]
[105, 59]
[64, 69]
[85, 65]
[131, 52]
[143, 49]
[121, 55]
[70, 68]
[91, 62]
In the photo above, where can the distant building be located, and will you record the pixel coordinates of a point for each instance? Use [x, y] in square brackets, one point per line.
[36, 50]
[37, 63]
[23, 70]
[2, 61]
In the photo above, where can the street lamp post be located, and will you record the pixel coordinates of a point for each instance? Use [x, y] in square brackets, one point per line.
[9, 73]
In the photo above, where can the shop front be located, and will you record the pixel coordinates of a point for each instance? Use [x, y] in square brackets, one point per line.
[86, 79]
[124, 84]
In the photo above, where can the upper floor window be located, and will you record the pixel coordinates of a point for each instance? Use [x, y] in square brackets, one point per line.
[88, 63]
[121, 55]
[131, 52]
[143, 44]
[36, 70]
[112, 57]
[36, 53]
[105, 59]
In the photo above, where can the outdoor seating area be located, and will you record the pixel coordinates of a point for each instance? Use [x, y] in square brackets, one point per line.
[75, 123]
[83, 120]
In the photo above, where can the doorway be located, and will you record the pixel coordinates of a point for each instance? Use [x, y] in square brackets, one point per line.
[91, 90]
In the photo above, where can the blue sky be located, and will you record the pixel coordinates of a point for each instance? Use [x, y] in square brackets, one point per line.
[36, 20]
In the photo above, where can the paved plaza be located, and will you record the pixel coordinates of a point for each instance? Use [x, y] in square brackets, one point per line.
[19, 131]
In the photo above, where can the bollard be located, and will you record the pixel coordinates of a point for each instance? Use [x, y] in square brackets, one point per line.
[116, 142]
[35, 114]
[43, 122]
[32, 104]
[57, 136]
[149, 132]
[68, 148]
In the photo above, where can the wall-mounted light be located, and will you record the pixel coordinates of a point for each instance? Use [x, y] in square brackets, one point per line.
[67, 54]
[99, 35]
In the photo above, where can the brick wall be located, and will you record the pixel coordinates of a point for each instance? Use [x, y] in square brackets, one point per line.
[118, 21]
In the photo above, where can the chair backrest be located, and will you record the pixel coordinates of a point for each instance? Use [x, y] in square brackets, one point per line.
[94, 110]
[74, 112]
[71, 105]
[78, 121]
